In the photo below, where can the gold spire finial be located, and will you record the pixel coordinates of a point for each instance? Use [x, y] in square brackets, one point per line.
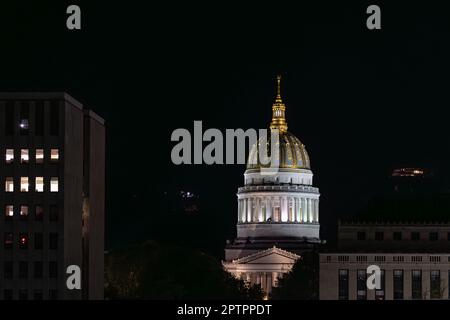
[278, 110]
[278, 99]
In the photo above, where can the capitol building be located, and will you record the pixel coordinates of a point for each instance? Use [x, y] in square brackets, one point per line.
[278, 214]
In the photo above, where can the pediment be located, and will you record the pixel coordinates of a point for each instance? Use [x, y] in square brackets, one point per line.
[271, 256]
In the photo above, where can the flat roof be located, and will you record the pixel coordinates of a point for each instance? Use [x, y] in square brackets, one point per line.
[48, 96]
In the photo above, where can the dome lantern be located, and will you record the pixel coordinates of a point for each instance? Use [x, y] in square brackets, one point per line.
[278, 110]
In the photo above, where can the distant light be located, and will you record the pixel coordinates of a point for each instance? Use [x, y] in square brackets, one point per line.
[408, 172]
[23, 124]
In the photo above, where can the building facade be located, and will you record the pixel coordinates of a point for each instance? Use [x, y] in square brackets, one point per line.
[52, 196]
[414, 259]
[278, 213]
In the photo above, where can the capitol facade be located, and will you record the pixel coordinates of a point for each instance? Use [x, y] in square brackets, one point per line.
[278, 214]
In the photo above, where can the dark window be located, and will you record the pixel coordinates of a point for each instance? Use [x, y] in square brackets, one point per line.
[433, 236]
[23, 241]
[361, 235]
[23, 294]
[416, 284]
[53, 213]
[38, 269]
[39, 118]
[8, 242]
[380, 294]
[361, 285]
[7, 294]
[397, 236]
[435, 284]
[415, 236]
[8, 270]
[53, 294]
[54, 118]
[53, 242]
[39, 213]
[448, 236]
[38, 241]
[379, 236]
[398, 284]
[343, 284]
[53, 269]
[38, 295]
[9, 124]
[23, 269]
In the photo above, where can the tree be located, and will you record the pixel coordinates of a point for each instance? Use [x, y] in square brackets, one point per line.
[302, 282]
[154, 271]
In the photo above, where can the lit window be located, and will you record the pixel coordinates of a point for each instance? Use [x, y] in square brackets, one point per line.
[39, 156]
[24, 156]
[54, 185]
[39, 184]
[23, 212]
[9, 212]
[9, 155]
[54, 155]
[23, 241]
[9, 184]
[24, 184]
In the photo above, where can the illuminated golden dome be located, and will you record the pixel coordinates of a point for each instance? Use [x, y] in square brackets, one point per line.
[292, 152]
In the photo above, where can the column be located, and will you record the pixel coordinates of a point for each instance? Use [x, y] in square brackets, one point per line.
[239, 210]
[280, 202]
[269, 282]
[269, 208]
[249, 209]
[308, 204]
[302, 210]
[295, 209]
[274, 279]
[258, 210]
[352, 284]
[317, 210]
[243, 214]
[288, 206]
[389, 285]
[284, 213]
[244, 209]
[426, 284]
[306, 210]
[407, 283]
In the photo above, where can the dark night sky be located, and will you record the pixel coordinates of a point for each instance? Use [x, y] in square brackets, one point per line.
[361, 101]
